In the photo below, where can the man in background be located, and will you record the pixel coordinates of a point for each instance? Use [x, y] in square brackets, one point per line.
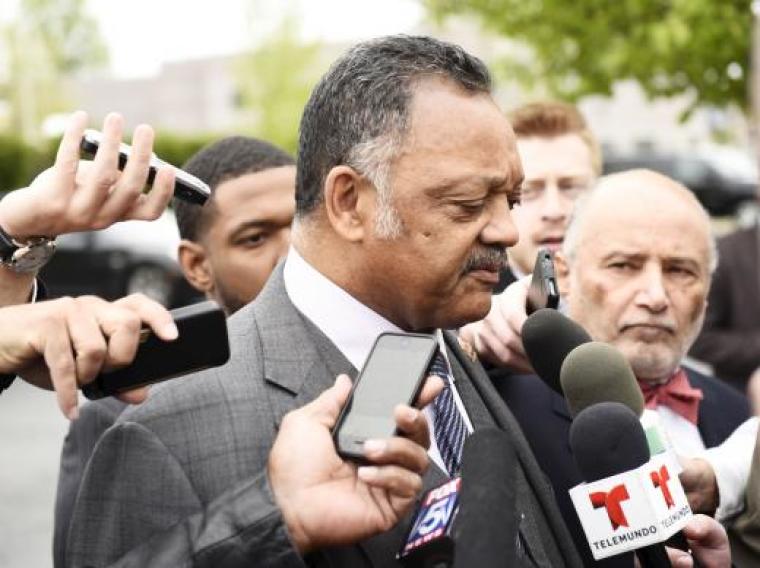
[561, 160]
[229, 248]
[642, 288]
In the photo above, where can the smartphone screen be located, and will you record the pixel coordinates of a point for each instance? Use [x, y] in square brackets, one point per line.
[393, 374]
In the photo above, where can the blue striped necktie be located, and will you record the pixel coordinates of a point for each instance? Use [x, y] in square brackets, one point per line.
[449, 427]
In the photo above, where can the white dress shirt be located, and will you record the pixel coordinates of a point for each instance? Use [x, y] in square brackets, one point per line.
[731, 460]
[350, 325]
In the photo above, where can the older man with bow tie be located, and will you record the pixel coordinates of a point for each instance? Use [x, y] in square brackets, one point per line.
[635, 271]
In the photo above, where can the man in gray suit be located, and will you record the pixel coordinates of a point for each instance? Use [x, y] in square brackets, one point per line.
[406, 173]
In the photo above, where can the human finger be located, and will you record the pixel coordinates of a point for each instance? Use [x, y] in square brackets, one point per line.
[87, 341]
[149, 206]
[397, 451]
[104, 173]
[123, 332]
[430, 389]
[153, 314]
[134, 396]
[396, 480]
[412, 423]
[59, 359]
[66, 163]
[133, 178]
[679, 558]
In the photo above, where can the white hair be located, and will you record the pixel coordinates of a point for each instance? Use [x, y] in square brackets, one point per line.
[373, 160]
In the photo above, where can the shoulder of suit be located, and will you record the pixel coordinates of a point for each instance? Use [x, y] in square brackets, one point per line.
[210, 387]
[717, 389]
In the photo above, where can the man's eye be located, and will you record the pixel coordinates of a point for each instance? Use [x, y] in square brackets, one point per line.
[255, 239]
[531, 193]
[472, 207]
[681, 271]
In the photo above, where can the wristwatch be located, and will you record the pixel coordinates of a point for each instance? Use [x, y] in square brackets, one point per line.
[25, 256]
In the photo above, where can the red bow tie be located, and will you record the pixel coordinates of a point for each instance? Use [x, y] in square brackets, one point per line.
[677, 394]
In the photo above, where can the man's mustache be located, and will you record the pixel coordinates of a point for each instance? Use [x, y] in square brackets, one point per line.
[492, 259]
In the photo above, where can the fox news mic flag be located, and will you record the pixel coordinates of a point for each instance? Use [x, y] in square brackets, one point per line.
[468, 521]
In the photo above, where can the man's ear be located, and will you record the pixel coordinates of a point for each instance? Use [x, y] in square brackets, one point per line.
[562, 271]
[349, 202]
[195, 266]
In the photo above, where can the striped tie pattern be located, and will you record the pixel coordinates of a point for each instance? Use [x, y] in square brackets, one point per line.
[449, 427]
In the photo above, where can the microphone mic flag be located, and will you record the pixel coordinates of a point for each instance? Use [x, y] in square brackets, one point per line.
[486, 528]
[548, 337]
[611, 450]
[468, 521]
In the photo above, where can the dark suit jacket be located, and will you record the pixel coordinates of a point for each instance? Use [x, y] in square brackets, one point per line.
[545, 419]
[197, 437]
[730, 338]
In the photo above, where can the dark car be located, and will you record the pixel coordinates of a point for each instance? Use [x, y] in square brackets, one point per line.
[128, 257]
[723, 179]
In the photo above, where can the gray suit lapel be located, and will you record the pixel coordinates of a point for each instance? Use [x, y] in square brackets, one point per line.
[299, 361]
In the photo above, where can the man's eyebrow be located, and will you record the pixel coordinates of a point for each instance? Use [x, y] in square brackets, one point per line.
[450, 185]
[251, 224]
[624, 254]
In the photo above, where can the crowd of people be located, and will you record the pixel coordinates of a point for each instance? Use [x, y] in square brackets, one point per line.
[415, 205]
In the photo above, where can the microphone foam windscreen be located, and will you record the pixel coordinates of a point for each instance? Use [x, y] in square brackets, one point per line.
[485, 532]
[606, 439]
[597, 372]
[548, 337]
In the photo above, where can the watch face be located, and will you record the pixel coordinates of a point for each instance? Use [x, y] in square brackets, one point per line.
[32, 257]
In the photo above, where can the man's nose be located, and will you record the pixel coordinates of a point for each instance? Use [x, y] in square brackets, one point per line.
[554, 206]
[652, 293]
[501, 229]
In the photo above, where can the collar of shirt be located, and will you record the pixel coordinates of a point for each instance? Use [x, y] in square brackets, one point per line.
[350, 325]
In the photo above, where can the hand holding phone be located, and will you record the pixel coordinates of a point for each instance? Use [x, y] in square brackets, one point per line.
[186, 186]
[393, 374]
[202, 343]
[543, 291]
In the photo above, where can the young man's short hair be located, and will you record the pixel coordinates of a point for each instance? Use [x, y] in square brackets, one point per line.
[226, 159]
[551, 119]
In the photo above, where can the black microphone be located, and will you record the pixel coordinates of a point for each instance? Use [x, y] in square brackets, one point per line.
[469, 520]
[607, 439]
[548, 337]
[486, 529]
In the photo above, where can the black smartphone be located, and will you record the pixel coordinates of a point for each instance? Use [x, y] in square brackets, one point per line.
[543, 291]
[393, 374]
[186, 186]
[202, 343]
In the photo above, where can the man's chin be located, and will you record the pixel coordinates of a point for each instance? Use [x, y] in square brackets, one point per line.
[473, 312]
[651, 362]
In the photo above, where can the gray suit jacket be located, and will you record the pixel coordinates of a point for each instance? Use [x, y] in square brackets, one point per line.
[95, 417]
[199, 436]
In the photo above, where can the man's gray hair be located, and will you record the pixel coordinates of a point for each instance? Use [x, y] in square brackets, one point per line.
[357, 114]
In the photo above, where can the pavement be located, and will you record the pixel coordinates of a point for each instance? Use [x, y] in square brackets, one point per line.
[31, 433]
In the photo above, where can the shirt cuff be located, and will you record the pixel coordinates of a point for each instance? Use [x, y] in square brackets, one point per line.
[731, 461]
